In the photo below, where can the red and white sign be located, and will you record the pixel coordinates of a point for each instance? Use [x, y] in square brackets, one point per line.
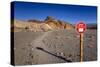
[81, 27]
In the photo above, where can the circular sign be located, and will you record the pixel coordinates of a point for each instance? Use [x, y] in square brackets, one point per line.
[81, 27]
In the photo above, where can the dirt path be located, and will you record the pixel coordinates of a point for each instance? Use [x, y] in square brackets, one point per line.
[40, 56]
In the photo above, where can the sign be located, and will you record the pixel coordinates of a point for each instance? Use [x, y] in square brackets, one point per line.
[81, 27]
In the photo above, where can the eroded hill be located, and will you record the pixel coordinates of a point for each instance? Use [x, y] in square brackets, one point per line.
[35, 25]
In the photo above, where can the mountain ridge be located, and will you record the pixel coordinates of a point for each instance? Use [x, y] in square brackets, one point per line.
[48, 24]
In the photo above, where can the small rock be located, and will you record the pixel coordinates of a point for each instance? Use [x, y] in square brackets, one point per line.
[60, 54]
[23, 48]
[14, 48]
[70, 55]
[90, 46]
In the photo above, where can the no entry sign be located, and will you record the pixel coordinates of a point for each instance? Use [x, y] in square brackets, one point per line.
[81, 27]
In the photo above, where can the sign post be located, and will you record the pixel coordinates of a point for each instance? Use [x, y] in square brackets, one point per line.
[81, 27]
[81, 47]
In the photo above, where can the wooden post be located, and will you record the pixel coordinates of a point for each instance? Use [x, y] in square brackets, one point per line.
[81, 47]
[81, 28]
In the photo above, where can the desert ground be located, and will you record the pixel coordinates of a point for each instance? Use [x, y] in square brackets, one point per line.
[58, 46]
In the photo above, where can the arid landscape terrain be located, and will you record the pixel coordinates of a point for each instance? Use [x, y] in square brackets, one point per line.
[51, 41]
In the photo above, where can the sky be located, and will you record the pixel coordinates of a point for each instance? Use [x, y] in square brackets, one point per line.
[69, 13]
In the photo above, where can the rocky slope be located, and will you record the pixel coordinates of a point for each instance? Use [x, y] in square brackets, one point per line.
[35, 25]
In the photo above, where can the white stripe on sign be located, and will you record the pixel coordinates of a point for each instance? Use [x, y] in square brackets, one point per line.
[80, 29]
